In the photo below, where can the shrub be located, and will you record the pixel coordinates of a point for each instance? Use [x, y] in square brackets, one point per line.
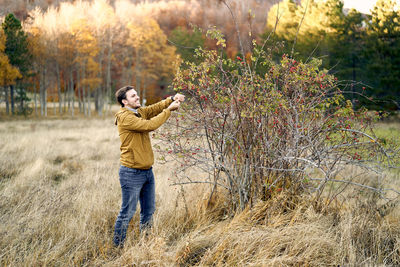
[256, 127]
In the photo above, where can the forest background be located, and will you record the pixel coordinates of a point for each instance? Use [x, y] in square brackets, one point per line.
[77, 53]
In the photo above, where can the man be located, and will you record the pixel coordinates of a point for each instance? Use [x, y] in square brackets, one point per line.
[135, 174]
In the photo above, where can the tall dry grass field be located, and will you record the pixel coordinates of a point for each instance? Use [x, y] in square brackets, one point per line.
[60, 195]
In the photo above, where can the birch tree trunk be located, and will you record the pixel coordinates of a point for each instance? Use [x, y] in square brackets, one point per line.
[45, 91]
[65, 95]
[6, 99]
[96, 99]
[144, 99]
[79, 90]
[72, 94]
[108, 76]
[35, 100]
[101, 101]
[99, 95]
[21, 103]
[69, 95]
[84, 91]
[137, 74]
[129, 68]
[54, 107]
[41, 90]
[59, 88]
[88, 102]
[12, 98]
[54, 102]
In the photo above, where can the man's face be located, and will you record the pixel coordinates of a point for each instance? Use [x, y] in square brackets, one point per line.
[132, 99]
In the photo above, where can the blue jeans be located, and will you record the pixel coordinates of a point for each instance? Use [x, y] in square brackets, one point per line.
[136, 185]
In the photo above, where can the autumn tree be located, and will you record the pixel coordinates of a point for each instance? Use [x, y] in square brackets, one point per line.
[153, 57]
[38, 50]
[302, 26]
[118, 61]
[53, 30]
[8, 73]
[87, 68]
[104, 26]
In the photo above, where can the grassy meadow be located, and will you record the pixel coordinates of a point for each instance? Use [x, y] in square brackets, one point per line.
[60, 195]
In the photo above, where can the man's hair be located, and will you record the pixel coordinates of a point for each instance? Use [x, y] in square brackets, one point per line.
[121, 94]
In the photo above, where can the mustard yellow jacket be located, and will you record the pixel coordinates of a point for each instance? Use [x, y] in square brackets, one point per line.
[136, 150]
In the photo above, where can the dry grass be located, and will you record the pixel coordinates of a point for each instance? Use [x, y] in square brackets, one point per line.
[60, 196]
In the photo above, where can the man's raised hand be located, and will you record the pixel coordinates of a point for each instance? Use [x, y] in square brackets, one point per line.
[174, 105]
[179, 97]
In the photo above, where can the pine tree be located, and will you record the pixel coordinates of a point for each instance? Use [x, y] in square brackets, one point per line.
[346, 41]
[8, 73]
[17, 51]
[186, 42]
[383, 54]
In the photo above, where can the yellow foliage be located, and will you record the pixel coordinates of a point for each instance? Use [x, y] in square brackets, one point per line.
[36, 45]
[66, 47]
[91, 80]
[87, 49]
[85, 43]
[287, 16]
[385, 17]
[150, 43]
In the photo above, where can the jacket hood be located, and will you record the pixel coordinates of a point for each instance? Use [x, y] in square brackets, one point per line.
[118, 115]
[121, 112]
